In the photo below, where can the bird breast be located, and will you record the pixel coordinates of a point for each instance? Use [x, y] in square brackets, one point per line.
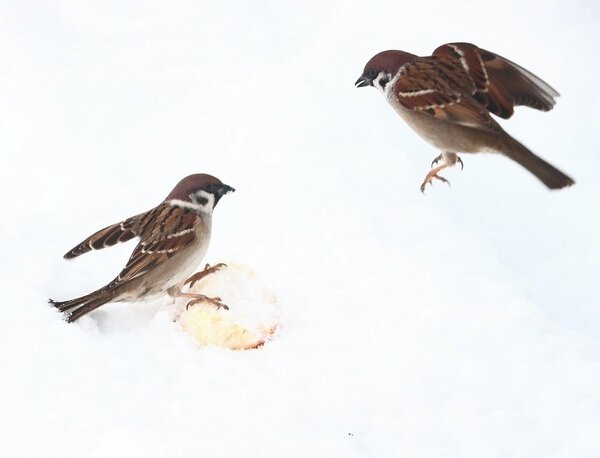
[443, 135]
[191, 257]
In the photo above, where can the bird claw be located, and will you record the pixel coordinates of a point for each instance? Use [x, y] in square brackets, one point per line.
[439, 158]
[200, 275]
[433, 173]
[429, 179]
[436, 160]
[216, 301]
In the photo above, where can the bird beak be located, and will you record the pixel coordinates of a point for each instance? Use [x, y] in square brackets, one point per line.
[220, 191]
[363, 81]
[225, 189]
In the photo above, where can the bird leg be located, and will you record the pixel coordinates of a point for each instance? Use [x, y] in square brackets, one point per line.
[449, 160]
[200, 275]
[433, 173]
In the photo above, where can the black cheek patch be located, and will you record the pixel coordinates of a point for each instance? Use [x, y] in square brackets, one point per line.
[383, 82]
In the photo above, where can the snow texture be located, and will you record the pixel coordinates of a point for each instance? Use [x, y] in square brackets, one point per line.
[463, 323]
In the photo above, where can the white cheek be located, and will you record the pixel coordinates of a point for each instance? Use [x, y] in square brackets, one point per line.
[377, 84]
[210, 201]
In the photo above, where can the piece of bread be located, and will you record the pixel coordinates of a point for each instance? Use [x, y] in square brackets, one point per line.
[252, 318]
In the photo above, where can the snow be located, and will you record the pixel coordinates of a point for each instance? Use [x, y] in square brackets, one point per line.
[460, 323]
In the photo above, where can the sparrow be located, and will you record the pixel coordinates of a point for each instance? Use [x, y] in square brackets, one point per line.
[174, 237]
[448, 99]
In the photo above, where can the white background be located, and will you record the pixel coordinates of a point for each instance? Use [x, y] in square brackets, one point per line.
[462, 323]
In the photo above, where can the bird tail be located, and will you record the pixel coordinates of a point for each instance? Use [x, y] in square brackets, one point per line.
[545, 172]
[76, 308]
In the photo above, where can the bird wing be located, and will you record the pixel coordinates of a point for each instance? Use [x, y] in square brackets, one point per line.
[499, 84]
[109, 236]
[165, 231]
[439, 88]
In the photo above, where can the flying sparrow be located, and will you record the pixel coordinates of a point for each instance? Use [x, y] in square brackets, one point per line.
[174, 237]
[447, 98]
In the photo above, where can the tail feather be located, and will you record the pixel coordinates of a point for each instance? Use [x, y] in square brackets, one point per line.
[545, 172]
[76, 308]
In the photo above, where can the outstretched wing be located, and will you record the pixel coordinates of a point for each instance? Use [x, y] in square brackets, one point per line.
[109, 236]
[439, 88]
[498, 83]
[164, 232]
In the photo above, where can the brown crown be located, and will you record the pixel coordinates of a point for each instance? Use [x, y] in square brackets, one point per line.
[191, 184]
[387, 61]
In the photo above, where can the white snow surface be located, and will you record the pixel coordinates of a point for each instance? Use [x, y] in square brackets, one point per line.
[462, 323]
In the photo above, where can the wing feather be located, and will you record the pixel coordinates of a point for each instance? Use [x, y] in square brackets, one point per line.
[438, 87]
[498, 83]
[169, 230]
[109, 236]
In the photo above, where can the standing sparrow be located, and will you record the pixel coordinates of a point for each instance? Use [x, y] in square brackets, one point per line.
[174, 237]
[447, 99]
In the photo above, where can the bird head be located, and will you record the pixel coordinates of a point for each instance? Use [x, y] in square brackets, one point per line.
[382, 68]
[201, 190]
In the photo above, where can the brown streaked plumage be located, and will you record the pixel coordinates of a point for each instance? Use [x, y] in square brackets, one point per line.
[448, 99]
[173, 237]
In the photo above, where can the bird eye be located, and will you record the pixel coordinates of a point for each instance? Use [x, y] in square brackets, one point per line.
[372, 74]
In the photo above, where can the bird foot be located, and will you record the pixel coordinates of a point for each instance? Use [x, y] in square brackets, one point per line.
[429, 179]
[216, 301]
[200, 275]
